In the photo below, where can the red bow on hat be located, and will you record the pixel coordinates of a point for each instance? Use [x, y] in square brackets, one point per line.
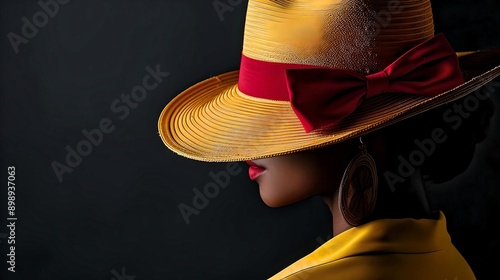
[323, 97]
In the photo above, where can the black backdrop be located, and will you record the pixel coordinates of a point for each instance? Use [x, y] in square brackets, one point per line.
[113, 213]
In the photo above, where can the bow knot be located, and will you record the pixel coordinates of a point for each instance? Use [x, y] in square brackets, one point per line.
[376, 83]
[323, 97]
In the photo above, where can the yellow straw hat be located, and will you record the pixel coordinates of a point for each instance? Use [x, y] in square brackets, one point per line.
[315, 73]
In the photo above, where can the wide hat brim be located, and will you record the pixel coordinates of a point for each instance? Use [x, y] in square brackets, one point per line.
[213, 121]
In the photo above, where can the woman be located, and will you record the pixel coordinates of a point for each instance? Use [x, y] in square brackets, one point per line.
[284, 180]
[326, 102]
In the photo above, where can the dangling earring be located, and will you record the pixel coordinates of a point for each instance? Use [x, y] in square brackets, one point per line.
[358, 188]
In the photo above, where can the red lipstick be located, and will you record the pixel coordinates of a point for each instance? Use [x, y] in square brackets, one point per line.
[254, 171]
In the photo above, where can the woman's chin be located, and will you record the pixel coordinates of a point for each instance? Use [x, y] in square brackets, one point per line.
[270, 200]
[272, 204]
[276, 201]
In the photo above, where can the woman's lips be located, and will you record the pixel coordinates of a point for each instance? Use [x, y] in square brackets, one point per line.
[254, 171]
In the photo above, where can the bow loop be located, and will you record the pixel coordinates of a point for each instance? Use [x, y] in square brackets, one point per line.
[323, 97]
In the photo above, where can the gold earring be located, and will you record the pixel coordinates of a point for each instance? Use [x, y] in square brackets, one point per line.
[358, 188]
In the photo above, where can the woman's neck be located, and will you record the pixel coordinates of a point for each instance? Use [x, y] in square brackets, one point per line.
[339, 223]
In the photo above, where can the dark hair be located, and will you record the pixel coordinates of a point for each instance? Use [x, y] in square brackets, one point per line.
[436, 146]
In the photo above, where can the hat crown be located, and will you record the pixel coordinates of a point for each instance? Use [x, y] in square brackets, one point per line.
[358, 35]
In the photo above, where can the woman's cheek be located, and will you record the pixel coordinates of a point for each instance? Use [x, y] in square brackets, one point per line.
[285, 190]
[291, 178]
[271, 192]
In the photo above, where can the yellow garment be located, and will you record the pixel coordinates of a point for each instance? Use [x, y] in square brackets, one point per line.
[385, 249]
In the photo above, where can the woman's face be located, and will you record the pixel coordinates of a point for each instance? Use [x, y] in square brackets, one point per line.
[287, 179]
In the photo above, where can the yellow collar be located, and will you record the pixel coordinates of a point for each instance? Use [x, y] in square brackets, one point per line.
[415, 236]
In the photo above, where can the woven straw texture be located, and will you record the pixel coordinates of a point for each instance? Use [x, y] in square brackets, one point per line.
[214, 121]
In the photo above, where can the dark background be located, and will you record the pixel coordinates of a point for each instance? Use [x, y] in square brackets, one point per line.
[116, 215]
